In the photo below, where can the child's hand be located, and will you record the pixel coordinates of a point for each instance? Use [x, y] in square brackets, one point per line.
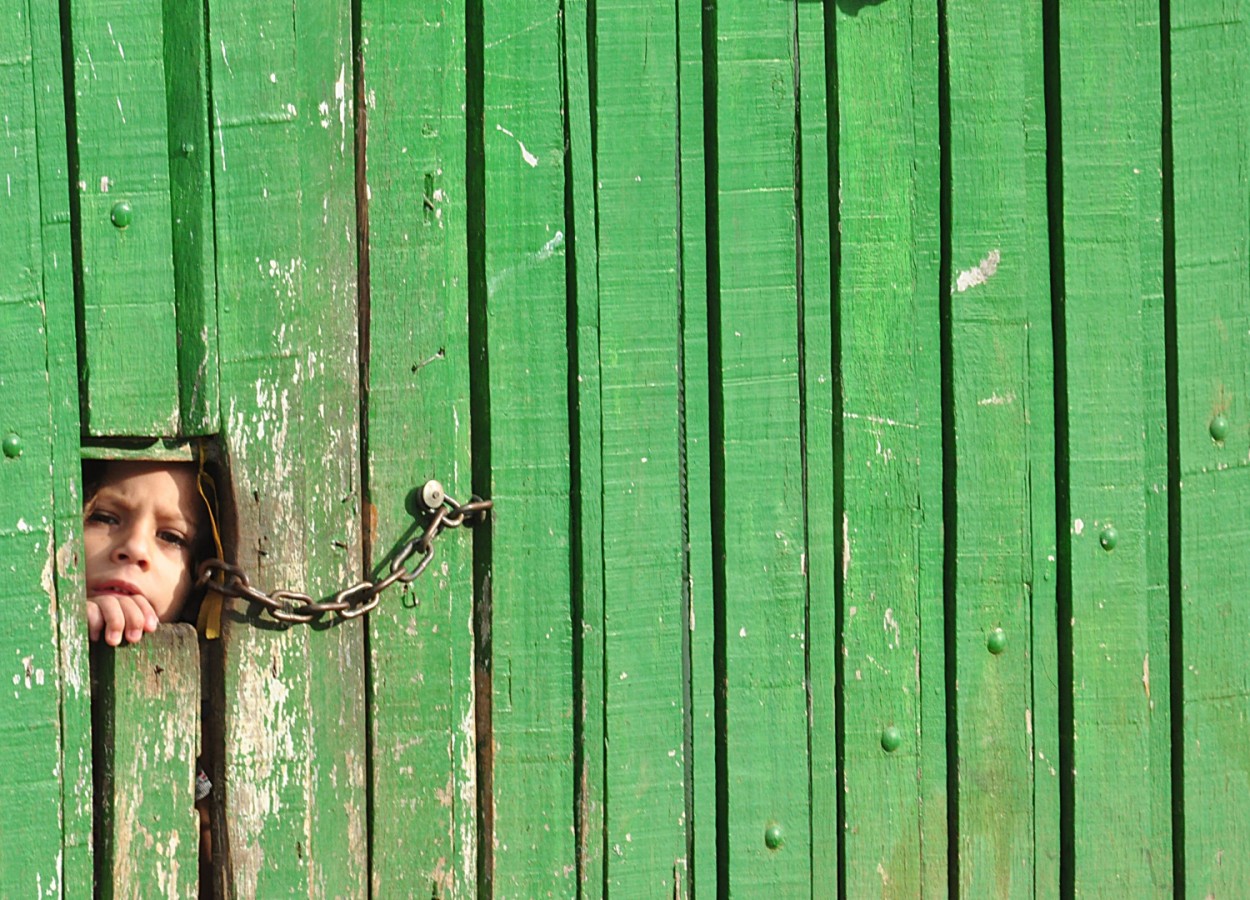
[118, 615]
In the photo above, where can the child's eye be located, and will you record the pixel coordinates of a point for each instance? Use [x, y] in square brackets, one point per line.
[105, 518]
[172, 537]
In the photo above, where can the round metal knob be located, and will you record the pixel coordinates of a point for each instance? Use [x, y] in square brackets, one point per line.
[432, 494]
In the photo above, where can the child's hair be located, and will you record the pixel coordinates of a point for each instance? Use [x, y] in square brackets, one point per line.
[95, 475]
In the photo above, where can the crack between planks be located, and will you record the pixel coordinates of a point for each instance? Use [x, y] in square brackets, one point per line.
[1176, 644]
[1063, 505]
[949, 473]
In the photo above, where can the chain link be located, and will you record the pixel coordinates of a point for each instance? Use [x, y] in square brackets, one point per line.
[293, 607]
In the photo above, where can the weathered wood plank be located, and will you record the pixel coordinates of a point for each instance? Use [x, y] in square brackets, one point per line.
[526, 336]
[586, 452]
[998, 257]
[927, 259]
[697, 449]
[758, 477]
[817, 342]
[191, 205]
[146, 724]
[292, 751]
[1210, 67]
[1112, 253]
[129, 358]
[421, 641]
[1043, 573]
[30, 728]
[62, 371]
[644, 630]
[891, 427]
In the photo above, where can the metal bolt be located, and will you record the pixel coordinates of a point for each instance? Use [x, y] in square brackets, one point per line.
[996, 643]
[773, 836]
[1108, 538]
[1219, 428]
[891, 739]
[432, 494]
[121, 214]
[12, 445]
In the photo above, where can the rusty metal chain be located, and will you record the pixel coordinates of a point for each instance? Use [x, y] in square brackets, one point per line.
[293, 607]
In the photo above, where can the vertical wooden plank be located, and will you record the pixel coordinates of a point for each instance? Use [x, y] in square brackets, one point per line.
[644, 631]
[756, 396]
[926, 226]
[998, 247]
[586, 451]
[1210, 78]
[292, 752]
[817, 342]
[30, 731]
[421, 639]
[697, 449]
[1043, 714]
[147, 733]
[191, 202]
[129, 356]
[528, 444]
[77, 863]
[1112, 252]
[891, 434]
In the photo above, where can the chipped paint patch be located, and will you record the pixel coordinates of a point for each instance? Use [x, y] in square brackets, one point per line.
[880, 420]
[892, 628]
[846, 544]
[530, 159]
[340, 94]
[548, 250]
[994, 399]
[541, 255]
[978, 274]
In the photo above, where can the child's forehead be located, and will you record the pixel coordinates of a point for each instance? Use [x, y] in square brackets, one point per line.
[170, 483]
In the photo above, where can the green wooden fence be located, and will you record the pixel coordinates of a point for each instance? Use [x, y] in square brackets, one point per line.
[863, 389]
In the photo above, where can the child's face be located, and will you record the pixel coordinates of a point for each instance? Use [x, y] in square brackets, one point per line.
[139, 531]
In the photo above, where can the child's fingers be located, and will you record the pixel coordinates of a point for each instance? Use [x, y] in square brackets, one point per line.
[138, 614]
[95, 620]
[127, 617]
[112, 619]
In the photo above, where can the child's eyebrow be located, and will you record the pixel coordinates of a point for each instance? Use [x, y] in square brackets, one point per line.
[166, 514]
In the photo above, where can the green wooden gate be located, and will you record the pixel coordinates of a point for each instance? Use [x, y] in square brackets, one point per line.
[863, 389]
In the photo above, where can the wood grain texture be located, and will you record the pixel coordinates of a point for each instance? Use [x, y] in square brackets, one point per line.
[146, 721]
[927, 259]
[639, 341]
[890, 434]
[817, 342]
[999, 264]
[30, 728]
[191, 205]
[756, 391]
[700, 870]
[129, 358]
[1113, 277]
[586, 452]
[1043, 574]
[1210, 74]
[292, 755]
[526, 332]
[421, 644]
[63, 411]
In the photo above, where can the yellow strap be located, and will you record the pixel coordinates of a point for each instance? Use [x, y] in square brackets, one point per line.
[209, 623]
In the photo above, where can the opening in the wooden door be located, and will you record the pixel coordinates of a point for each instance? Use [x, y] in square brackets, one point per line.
[151, 515]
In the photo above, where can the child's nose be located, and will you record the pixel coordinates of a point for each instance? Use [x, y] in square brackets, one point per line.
[133, 547]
